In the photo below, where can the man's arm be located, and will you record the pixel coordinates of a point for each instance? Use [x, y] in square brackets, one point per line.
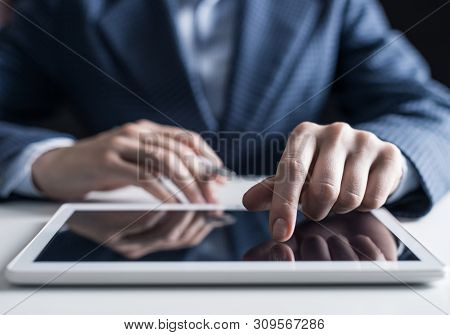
[27, 85]
[18, 177]
[395, 111]
[30, 70]
[386, 89]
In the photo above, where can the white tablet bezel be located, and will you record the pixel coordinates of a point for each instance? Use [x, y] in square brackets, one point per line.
[23, 269]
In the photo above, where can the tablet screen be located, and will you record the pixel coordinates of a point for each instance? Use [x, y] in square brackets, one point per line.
[155, 236]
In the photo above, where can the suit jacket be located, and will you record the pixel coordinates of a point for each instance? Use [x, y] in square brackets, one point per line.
[116, 61]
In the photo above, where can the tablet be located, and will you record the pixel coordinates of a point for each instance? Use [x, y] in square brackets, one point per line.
[90, 244]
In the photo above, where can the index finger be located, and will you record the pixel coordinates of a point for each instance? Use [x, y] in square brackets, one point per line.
[291, 175]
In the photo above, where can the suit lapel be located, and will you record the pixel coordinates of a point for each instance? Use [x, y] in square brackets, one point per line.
[271, 36]
[142, 35]
[269, 40]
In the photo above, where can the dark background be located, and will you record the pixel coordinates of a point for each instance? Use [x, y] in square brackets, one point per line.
[431, 37]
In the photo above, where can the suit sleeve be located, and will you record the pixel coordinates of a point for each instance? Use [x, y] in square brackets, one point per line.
[28, 89]
[384, 87]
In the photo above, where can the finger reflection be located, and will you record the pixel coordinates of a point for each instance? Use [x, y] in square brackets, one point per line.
[347, 237]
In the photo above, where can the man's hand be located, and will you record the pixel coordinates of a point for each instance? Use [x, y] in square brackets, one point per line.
[332, 168]
[110, 160]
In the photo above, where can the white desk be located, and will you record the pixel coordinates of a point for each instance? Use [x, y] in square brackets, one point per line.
[20, 221]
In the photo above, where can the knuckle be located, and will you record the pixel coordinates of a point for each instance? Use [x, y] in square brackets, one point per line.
[288, 204]
[349, 200]
[142, 121]
[129, 129]
[189, 138]
[295, 167]
[301, 140]
[192, 136]
[324, 191]
[338, 128]
[145, 122]
[365, 140]
[335, 133]
[373, 202]
[390, 152]
[300, 128]
[303, 127]
[147, 139]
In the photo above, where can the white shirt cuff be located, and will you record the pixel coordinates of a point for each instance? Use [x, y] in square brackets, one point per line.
[409, 182]
[18, 172]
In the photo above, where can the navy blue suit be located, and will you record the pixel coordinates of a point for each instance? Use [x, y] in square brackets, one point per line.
[287, 54]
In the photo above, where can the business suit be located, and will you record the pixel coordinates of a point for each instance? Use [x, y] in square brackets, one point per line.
[287, 53]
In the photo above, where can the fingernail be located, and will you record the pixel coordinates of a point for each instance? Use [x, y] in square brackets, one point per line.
[279, 229]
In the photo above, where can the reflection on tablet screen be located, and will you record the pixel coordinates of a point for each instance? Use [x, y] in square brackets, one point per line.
[90, 236]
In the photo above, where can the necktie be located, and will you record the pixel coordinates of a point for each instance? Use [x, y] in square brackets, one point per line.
[213, 29]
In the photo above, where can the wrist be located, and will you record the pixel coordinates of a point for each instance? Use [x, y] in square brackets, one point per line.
[18, 170]
[43, 168]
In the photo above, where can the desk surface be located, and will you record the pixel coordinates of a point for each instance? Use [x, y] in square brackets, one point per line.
[20, 221]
